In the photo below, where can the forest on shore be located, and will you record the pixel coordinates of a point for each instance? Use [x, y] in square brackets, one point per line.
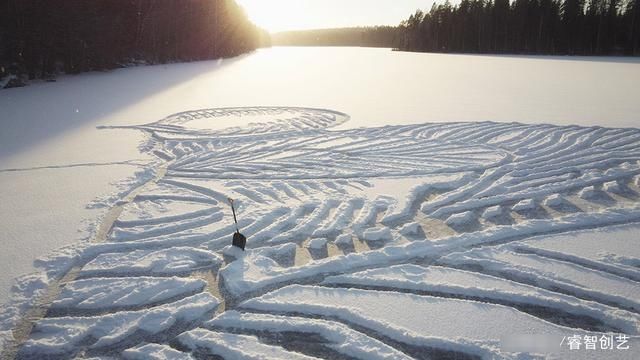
[39, 39]
[540, 27]
[549, 27]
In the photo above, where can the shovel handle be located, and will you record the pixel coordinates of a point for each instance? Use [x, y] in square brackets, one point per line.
[234, 214]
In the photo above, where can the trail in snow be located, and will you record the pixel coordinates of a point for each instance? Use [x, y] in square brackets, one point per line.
[453, 207]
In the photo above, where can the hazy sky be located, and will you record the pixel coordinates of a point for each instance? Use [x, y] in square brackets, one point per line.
[280, 15]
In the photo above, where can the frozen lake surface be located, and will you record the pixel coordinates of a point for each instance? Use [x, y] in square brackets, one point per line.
[403, 164]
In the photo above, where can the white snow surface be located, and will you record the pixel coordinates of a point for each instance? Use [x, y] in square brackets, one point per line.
[554, 200]
[461, 219]
[317, 243]
[344, 239]
[612, 249]
[477, 327]
[613, 187]
[524, 205]
[589, 192]
[377, 234]
[166, 261]
[550, 273]
[454, 282]
[411, 229]
[148, 191]
[61, 335]
[155, 352]
[255, 272]
[343, 339]
[104, 293]
[492, 212]
[44, 209]
[54, 124]
[232, 346]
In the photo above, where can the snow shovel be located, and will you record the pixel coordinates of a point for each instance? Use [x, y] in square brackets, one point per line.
[239, 240]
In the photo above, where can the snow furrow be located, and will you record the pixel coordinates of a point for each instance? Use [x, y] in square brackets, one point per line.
[68, 335]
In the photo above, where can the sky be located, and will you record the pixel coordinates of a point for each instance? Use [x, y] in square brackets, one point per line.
[283, 15]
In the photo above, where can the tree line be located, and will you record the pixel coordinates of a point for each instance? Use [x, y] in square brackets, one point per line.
[375, 36]
[567, 27]
[39, 38]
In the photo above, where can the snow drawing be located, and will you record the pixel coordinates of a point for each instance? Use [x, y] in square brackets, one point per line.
[420, 241]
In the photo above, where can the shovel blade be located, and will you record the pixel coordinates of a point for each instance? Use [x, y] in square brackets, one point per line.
[239, 240]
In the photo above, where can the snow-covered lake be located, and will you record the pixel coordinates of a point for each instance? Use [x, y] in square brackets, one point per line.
[322, 190]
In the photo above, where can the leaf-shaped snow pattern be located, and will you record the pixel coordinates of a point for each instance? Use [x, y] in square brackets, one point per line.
[244, 121]
[457, 221]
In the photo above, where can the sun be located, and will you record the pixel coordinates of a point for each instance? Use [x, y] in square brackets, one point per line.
[283, 15]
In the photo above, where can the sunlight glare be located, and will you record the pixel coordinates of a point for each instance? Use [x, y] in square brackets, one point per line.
[280, 15]
[283, 15]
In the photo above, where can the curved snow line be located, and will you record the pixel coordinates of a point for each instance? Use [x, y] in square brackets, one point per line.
[323, 118]
[233, 346]
[164, 219]
[119, 293]
[350, 315]
[417, 279]
[155, 197]
[626, 271]
[585, 286]
[305, 229]
[165, 261]
[342, 338]
[57, 336]
[474, 203]
[149, 231]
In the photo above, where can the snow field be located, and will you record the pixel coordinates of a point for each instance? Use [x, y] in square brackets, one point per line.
[300, 187]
